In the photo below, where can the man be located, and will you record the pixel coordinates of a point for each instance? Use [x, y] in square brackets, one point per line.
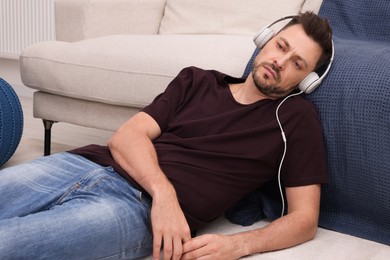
[202, 145]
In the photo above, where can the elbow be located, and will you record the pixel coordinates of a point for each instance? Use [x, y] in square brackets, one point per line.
[113, 142]
[311, 228]
[119, 137]
[308, 225]
[312, 232]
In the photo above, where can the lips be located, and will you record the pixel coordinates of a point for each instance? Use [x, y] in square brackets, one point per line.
[271, 71]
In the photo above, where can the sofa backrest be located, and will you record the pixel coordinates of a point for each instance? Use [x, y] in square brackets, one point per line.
[244, 17]
[83, 19]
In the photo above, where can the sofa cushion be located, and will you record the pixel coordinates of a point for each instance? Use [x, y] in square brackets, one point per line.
[224, 16]
[127, 70]
[82, 19]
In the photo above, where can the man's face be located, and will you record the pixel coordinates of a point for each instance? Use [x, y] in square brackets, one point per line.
[285, 61]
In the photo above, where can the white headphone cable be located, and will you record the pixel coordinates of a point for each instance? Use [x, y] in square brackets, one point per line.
[285, 148]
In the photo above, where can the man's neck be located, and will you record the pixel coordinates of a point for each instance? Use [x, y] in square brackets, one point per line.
[246, 93]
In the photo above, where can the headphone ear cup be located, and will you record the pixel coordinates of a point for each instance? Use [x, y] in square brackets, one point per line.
[263, 37]
[309, 83]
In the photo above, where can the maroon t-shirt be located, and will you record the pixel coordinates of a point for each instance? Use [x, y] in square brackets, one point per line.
[215, 150]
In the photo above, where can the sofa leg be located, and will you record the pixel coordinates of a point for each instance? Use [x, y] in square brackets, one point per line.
[48, 125]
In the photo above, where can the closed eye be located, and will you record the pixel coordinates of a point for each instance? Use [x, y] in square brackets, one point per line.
[297, 64]
[280, 47]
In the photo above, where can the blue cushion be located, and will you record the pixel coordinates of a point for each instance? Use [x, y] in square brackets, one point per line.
[249, 65]
[11, 121]
[362, 19]
[354, 106]
[259, 204]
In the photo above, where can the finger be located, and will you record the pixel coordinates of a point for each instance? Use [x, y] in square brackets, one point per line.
[157, 240]
[177, 249]
[168, 248]
[193, 244]
[198, 253]
[187, 235]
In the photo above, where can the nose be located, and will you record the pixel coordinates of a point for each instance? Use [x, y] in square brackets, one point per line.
[280, 61]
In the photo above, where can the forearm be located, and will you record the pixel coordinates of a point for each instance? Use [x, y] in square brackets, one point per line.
[285, 232]
[133, 150]
[297, 227]
[288, 231]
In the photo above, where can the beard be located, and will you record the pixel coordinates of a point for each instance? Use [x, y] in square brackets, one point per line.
[273, 90]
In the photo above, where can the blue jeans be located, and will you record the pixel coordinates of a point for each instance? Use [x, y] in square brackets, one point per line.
[66, 207]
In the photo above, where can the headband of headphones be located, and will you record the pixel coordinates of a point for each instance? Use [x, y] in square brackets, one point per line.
[312, 80]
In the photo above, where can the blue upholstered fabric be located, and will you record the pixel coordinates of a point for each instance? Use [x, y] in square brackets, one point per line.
[11, 121]
[367, 20]
[354, 106]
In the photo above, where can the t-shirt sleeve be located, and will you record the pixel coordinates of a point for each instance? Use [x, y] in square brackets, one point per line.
[164, 106]
[305, 162]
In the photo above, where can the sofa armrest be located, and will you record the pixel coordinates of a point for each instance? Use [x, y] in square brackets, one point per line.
[82, 19]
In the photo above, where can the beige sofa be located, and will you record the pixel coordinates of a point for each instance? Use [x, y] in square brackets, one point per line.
[111, 58]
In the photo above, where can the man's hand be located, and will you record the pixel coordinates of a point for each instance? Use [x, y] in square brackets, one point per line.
[169, 225]
[211, 247]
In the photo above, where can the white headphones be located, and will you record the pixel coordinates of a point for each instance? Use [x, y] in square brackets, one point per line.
[311, 81]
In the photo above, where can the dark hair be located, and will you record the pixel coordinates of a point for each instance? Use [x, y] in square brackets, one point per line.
[319, 30]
